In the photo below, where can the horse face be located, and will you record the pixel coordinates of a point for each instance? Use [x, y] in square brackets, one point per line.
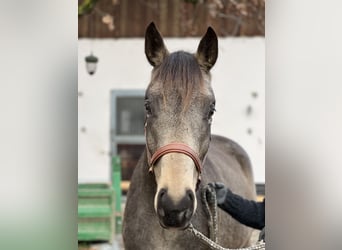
[179, 106]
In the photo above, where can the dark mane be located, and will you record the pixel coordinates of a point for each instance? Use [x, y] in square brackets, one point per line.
[179, 71]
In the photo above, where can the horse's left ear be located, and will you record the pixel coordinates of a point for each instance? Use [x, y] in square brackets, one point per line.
[155, 49]
[207, 50]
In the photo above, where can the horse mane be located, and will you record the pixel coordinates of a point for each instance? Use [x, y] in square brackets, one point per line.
[179, 71]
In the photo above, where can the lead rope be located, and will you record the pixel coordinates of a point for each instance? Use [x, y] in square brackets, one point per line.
[208, 196]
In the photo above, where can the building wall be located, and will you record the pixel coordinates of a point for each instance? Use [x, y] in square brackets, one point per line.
[238, 80]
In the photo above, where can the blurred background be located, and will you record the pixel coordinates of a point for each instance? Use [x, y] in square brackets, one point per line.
[40, 105]
[112, 76]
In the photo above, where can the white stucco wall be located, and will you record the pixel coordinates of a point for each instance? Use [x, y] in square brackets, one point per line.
[239, 71]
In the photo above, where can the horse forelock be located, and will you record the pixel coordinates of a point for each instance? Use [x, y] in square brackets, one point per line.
[181, 75]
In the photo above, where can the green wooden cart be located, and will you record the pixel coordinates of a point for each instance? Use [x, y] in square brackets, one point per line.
[99, 208]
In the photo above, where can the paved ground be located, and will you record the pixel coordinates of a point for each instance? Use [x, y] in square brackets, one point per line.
[118, 245]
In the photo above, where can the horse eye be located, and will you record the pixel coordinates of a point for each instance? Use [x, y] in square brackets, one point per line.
[211, 112]
[148, 108]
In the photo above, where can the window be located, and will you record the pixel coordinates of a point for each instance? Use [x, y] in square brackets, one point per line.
[127, 130]
[129, 115]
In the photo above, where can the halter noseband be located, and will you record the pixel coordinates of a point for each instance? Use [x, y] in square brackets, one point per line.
[174, 147]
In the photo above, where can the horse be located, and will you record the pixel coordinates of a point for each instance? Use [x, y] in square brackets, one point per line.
[181, 155]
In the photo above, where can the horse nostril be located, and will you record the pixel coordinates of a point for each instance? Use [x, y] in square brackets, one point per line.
[161, 212]
[162, 193]
[188, 214]
[190, 195]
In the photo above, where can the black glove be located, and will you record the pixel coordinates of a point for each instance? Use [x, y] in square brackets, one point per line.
[221, 191]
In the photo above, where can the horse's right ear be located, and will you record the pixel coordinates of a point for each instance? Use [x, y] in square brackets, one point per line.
[207, 50]
[155, 49]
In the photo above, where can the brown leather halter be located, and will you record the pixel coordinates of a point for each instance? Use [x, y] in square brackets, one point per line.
[173, 147]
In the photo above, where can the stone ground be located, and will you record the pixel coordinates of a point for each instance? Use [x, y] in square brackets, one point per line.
[118, 244]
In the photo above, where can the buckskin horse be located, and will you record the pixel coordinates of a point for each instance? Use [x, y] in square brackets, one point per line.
[181, 155]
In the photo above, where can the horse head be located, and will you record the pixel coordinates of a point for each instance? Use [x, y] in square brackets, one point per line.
[179, 103]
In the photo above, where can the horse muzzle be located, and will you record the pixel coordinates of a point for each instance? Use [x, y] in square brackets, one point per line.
[173, 214]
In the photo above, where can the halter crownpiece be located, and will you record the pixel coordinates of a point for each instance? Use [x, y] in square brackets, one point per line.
[174, 147]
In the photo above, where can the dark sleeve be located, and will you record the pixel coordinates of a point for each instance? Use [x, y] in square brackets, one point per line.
[247, 212]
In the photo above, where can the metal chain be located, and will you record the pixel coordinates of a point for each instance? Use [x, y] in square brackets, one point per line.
[210, 204]
[213, 245]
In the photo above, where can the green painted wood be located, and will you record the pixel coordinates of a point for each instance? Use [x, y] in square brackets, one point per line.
[91, 229]
[95, 191]
[93, 186]
[99, 207]
[93, 235]
[95, 212]
[116, 185]
[99, 201]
